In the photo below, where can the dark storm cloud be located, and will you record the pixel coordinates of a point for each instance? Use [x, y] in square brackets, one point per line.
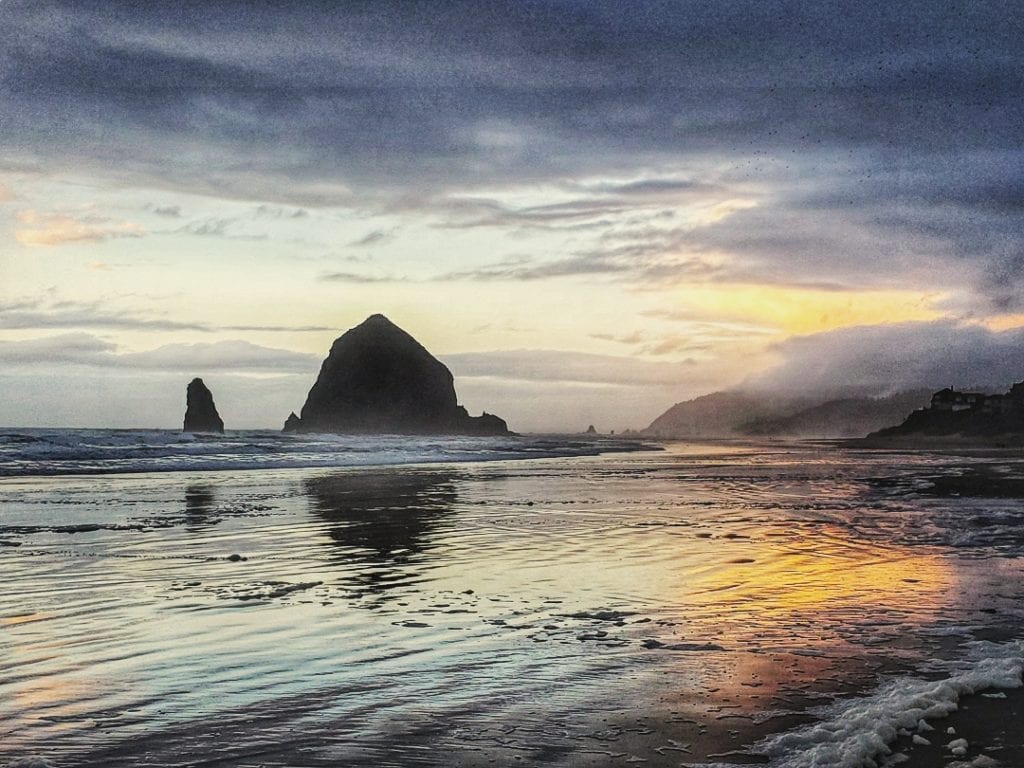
[371, 92]
[890, 134]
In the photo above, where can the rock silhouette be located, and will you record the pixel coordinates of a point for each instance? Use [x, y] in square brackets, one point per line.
[200, 412]
[377, 379]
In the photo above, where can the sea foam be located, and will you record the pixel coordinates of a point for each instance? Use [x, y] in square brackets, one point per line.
[856, 733]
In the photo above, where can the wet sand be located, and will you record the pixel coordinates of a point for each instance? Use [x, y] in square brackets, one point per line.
[992, 724]
[658, 608]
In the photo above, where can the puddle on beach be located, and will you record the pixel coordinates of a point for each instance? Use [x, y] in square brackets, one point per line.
[669, 607]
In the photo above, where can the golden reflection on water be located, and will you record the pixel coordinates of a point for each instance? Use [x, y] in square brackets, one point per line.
[823, 579]
[786, 615]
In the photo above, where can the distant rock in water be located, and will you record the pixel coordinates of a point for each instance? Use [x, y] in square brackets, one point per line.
[200, 412]
[591, 430]
[378, 379]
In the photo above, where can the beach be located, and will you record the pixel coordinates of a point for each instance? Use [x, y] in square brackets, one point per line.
[685, 604]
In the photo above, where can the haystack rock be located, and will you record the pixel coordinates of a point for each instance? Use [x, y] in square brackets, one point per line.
[378, 379]
[200, 412]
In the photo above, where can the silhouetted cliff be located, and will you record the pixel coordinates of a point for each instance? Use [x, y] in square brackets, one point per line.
[965, 414]
[378, 379]
[720, 414]
[743, 414]
[845, 417]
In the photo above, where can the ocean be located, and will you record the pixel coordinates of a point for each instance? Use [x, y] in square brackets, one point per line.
[258, 599]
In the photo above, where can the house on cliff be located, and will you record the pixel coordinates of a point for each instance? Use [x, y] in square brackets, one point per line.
[949, 399]
[970, 414]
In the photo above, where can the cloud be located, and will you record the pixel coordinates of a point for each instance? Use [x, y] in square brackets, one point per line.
[275, 328]
[28, 314]
[418, 93]
[551, 406]
[656, 187]
[373, 237]
[218, 227]
[6, 193]
[545, 390]
[529, 269]
[703, 338]
[622, 263]
[169, 211]
[884, 359]
[39, 314]
[47, 229]
[565, 366]
[280, 212]
[358, 279]
[87, 350]
[569, 215]
[231, 355]
[78, 348]
[881, 143]
[209, 227]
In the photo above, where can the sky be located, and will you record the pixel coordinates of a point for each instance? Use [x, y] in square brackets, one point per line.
[588, 209]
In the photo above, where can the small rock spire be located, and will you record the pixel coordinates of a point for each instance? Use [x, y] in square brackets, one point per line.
[200, 412]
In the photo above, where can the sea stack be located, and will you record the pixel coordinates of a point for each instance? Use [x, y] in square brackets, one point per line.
[377, 379]
[200, 412]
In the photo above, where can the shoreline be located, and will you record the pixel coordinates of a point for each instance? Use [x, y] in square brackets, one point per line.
[989, 721]
[106, 453]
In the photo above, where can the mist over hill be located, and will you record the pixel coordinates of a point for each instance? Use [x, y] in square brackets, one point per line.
[743, 414]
